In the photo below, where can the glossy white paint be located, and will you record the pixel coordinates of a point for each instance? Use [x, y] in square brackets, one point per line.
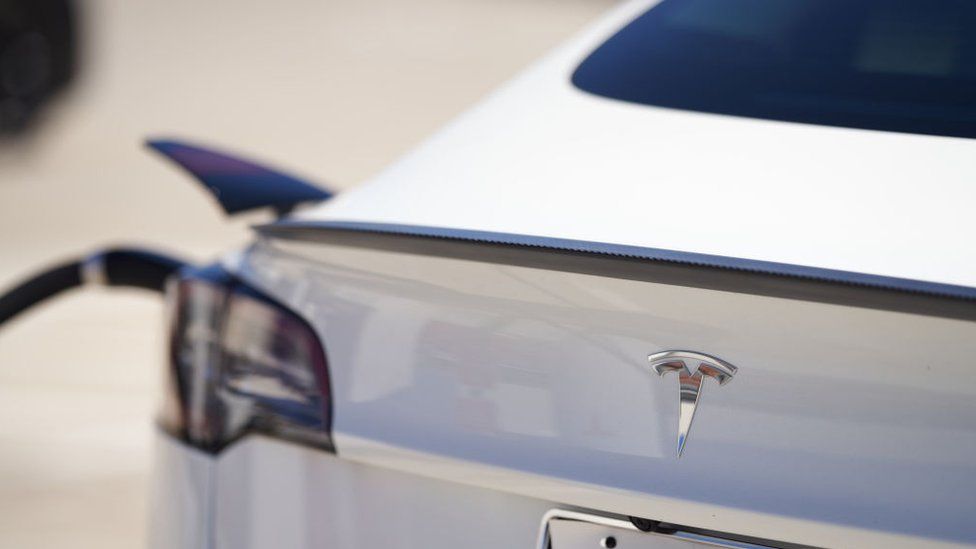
[272, 494]
[843, 426]
[540, 157]
[262, 493]
[182, 496]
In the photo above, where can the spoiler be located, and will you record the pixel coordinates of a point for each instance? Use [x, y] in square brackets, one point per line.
[239, 185]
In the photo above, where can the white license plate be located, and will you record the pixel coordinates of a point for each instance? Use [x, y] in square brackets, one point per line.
[573, 530]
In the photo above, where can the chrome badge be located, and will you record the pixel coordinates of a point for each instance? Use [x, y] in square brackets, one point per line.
[692, 369]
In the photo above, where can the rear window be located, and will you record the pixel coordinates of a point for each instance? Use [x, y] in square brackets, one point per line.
[895, 65]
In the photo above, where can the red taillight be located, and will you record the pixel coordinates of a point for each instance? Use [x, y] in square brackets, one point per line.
[239, 363]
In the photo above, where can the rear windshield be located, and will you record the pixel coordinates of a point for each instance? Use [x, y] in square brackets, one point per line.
[895, 65]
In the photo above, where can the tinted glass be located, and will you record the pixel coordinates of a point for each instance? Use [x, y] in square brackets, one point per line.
[896, 65]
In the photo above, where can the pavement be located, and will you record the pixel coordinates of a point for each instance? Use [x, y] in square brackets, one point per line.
[333, 90]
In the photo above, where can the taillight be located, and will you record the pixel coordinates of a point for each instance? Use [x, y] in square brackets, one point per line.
[240, 362]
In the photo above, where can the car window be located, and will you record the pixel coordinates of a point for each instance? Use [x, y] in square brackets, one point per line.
[896, 65]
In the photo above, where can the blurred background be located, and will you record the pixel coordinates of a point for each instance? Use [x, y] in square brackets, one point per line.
[332, 90]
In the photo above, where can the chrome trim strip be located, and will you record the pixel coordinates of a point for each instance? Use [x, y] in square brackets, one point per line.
[565, 514]
[604, 520]
[645, 264]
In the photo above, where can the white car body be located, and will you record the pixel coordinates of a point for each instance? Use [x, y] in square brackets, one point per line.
[474, 391]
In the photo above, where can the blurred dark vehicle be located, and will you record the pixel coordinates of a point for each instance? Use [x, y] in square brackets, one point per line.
[38, 57]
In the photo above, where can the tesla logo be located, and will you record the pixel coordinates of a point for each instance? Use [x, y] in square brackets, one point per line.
[692, 369]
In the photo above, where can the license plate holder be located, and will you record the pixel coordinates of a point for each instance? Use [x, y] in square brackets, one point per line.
[563, 529]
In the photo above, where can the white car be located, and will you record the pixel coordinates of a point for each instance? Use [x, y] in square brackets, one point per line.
[773, 201]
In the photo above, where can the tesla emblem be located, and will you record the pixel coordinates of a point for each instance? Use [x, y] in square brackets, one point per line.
[692, 369]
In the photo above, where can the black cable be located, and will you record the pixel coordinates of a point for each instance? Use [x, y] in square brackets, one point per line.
[122, 267]
[37, 289]
[138, 268]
